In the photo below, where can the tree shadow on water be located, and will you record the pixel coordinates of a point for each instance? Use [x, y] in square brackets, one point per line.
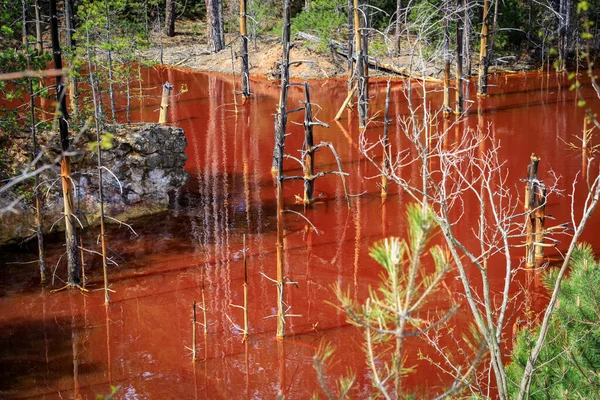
[35, 355]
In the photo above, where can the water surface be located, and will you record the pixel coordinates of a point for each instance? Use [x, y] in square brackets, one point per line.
[69, 345]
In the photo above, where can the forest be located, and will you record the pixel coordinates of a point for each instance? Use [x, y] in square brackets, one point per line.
[299, 199]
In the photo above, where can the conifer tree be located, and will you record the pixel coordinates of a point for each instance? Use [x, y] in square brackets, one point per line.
[570, 360]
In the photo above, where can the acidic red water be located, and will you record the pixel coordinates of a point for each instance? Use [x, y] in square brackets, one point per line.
[69, 345]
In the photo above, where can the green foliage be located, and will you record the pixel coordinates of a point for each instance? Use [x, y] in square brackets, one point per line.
[111, 395]
[6, 31]
[570, 359]
[263, 18]
[325, 18]
[323, 356]
[412, 274]
[10, 18]
[106, 142]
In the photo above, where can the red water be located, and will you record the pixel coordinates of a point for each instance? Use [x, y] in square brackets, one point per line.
[68, 345]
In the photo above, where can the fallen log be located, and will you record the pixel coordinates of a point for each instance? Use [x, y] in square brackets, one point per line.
[341, 49]
[345, 104]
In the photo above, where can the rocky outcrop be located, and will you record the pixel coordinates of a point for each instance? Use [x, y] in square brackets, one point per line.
[146, 163]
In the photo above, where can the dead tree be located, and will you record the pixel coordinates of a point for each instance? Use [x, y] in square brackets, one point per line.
[194, 323]
[563, 32]
[398, 26]
[204, 322]
[307, 158]
[164, 103]
[34, 157]
[309, 149]
[244, 55]
[365, 59]
[535, 209]
[467, 38]
[24, 27]
[170, 18]
[39, 44]
[363, 83]
[446, 105]
[65, 168]
[214, 25]
[385, 142]
[111, 89]
[278, 155]
[245, 330]
[281, 117]
[69, 30]
[459, 63]
[484, 61]
[100, 178]
[350, 54]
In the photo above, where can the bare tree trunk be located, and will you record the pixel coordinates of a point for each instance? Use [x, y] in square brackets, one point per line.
[194, 345]
[170, 18]
[160, 33]
[467, 38]
[24, 27]
[164, 103]
[483, 52]
[280, 127]
[447, 107]
[128, 93]
[365, 58]
[281, 117]
[34, 154]
[100, 179]
[244, 37]
[309, 158]
[73, 267]
[214, 26]
[350, 55]
[360, 67]
[528, 25]
[385, 162]
[459, 63]
[221, 22]
[69, 29]
[565, 16]
[398, 26]
[111, 89]
[246, 329]
[39, 45]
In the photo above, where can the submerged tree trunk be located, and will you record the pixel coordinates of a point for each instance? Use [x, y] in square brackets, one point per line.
[483, 52]
[214, 25]
[170, 18]
[280, 127]
[309, 149]
[70, 231]
[244, 55]
[385, 162]
[100, 179]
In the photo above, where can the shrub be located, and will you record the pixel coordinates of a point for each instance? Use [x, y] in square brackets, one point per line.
[570, 359]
